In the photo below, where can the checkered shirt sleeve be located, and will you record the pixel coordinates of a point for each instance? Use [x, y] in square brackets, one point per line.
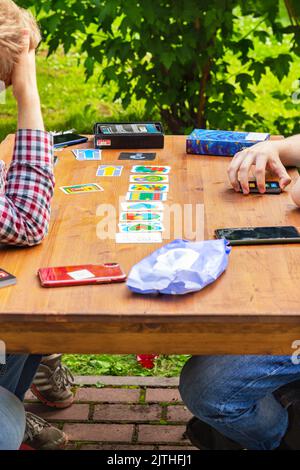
[26, 196]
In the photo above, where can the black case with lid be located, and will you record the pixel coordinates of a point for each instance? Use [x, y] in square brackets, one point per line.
[128, 140]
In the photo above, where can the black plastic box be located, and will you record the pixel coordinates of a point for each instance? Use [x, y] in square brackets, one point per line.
[128, 135]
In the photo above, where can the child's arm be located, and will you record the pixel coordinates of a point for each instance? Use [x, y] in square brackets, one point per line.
[25, 204]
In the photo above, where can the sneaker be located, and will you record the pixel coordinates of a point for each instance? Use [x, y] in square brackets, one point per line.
[52, 383]
[40, 435]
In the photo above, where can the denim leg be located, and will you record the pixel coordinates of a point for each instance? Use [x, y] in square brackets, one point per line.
[234, 394]
[29, 370]
[12, 421]
[19, 372]
[12, 371]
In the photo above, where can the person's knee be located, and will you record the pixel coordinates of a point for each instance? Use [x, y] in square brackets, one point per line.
[197, 385]
[12, 421]
[206, 387]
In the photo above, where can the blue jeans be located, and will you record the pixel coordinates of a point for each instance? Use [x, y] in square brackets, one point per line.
[234, 395]
[12, 421]
[15, 379]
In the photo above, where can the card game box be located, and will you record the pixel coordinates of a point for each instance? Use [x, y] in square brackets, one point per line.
[223, 143]
[136, 135]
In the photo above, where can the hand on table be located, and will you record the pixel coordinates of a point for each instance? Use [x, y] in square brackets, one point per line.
[264, 156]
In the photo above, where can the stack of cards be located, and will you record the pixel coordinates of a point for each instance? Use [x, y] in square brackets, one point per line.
[87, 154]
[142, 213]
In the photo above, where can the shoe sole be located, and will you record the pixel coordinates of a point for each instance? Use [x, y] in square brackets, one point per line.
[59, 446]
[51, 404]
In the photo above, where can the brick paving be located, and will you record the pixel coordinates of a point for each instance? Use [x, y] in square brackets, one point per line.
[121, 413]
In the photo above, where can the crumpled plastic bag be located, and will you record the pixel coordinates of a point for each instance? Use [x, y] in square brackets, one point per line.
[180, 267]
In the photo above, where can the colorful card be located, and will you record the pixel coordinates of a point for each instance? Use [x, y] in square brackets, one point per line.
[142, 206]
[140, 196]
[137, 156]
[162, 188]
[149, 178]
[81, 188]
[87, 154]
[149, 169]
[139, 237]
[141, 217]
[109, 170]
[141, 227]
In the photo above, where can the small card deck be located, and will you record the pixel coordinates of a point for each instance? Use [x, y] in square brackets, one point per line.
[87, 154]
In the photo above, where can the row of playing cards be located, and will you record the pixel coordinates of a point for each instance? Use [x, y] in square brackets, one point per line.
[142, 216]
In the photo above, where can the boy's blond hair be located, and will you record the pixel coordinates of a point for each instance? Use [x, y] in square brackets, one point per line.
[12, 20]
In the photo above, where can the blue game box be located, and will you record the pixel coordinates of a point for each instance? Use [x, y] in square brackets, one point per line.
[224, 143]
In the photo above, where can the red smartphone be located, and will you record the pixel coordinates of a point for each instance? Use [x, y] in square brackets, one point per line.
[81, 275]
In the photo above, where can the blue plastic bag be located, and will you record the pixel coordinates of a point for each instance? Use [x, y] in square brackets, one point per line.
[180, 267]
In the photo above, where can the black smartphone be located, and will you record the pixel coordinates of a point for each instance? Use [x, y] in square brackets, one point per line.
[272, 187]
[65, 140]
[259, 235]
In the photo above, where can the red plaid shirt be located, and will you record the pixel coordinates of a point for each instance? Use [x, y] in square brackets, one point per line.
[27, 189]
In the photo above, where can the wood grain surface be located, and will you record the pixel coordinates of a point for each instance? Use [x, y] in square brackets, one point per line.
[253, 308]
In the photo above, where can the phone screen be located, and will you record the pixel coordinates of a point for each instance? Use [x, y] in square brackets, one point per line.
[65, 138]
[258, 233]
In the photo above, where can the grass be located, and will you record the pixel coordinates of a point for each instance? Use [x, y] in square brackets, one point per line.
[123, 365]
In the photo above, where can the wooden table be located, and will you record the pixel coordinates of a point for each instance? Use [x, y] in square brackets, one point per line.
[253, 308]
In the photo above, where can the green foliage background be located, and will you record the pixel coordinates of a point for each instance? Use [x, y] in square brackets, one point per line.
[193, 63]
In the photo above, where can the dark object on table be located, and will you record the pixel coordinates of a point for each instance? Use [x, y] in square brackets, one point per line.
[66, 140]
[7, 279]
[135, 135]
[259, 235]
[272, 187]
[138, 156]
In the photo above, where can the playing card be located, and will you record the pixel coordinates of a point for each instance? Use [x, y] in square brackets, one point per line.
[151, 169]
[142, 206]
[141, 227]
[137, 156]
[81, 188]
[139, 237]
[141, 217]
[149, 179]
[87, 154]
[109, 170]
[162, 188]
[141, 196]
